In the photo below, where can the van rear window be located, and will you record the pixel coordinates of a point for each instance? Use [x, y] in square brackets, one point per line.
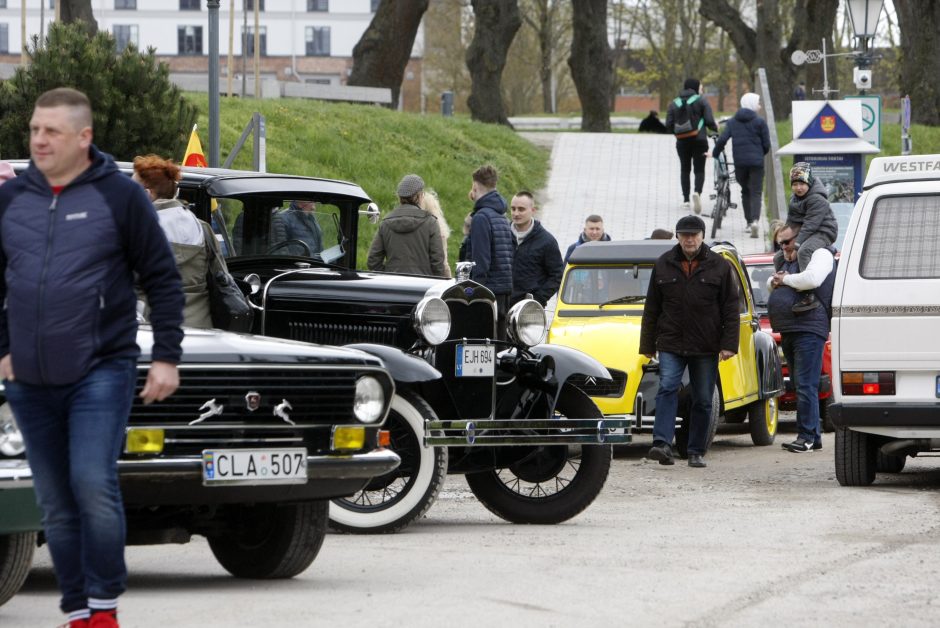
[903, 239]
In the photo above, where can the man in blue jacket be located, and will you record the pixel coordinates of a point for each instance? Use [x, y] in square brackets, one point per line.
[750, 141]
[73, 233]
[490, 247]
[536, 260]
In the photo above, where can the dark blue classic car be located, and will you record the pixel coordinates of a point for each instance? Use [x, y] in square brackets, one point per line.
[260, 435]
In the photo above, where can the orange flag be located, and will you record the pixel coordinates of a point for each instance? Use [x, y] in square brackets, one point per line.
[194, 155]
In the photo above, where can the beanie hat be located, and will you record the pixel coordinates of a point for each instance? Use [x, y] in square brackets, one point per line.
[693, 84]
[690, 224]
[410, 185]
[750, 101]
[801, 172]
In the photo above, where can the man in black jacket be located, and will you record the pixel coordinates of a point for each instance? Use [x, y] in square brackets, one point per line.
[536, 260]
[691, 319]
[688, 116]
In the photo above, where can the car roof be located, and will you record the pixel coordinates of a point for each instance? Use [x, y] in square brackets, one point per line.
[616, 251]
[228, 182]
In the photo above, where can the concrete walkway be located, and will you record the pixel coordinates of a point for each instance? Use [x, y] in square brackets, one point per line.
[632, 180]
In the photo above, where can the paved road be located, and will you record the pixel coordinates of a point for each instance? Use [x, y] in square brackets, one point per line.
[760, 537]
[630, 179]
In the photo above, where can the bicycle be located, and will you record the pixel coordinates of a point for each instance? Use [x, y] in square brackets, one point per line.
[722, 195]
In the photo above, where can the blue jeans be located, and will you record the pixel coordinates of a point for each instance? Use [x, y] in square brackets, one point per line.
[703, 373]
[74, 435]
[804, 353]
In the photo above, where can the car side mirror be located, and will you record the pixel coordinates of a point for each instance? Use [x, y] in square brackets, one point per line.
[371, 212]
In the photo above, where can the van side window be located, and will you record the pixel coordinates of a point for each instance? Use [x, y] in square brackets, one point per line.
[902, 239]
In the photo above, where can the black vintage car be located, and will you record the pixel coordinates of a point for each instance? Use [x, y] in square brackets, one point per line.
[260, 435]
[508, 414]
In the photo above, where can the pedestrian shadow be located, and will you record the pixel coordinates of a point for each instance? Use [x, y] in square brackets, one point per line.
[41, 580]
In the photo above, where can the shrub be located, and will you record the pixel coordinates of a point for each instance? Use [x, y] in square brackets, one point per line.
[136, 108]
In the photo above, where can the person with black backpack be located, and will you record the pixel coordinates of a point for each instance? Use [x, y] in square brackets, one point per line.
[688, 116]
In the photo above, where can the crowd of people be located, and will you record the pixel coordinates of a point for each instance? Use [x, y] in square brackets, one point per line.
[136, 237]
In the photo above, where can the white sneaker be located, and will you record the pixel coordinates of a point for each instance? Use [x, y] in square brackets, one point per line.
[696, 202]
[755, 229]
[684, 207]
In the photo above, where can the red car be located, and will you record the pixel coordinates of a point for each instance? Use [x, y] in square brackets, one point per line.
[760, 267]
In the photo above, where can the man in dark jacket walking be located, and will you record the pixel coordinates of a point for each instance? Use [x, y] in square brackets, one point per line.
[750, 141]
[490, 246]
[691, 319]
[409, 239]
[74, 231]
[536, 261]
[687, 118]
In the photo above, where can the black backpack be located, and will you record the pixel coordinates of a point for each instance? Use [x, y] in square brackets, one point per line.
[685, 124]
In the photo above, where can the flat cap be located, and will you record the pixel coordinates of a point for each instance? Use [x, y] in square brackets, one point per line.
[690, 224]
[410, 185]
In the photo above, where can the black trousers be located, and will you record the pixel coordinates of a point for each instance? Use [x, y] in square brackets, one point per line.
[691, 153]
[751, 180]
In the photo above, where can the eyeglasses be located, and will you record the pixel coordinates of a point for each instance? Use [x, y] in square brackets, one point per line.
[786, 242]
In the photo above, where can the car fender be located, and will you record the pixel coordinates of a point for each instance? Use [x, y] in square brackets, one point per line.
[770, 372]
[404, 367]
[570, 362]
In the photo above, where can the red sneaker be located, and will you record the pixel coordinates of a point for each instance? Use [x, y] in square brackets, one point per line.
[104, 619]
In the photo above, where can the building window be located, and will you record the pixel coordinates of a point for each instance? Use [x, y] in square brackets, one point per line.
[318, 5]
[4, 38]
[190, 40]
[250, 6]
[248, 44]
[125, 34]
[130, 5]
[189, 5]
[375, 5]
[318, 41]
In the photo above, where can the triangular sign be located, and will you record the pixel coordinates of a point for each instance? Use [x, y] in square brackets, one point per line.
[827, 124]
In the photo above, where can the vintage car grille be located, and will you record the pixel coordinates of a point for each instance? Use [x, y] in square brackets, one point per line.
[316, 396]
[343, 333]
[602, 388]
[471, 319]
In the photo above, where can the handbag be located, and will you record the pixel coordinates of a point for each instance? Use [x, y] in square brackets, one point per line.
[228, 305]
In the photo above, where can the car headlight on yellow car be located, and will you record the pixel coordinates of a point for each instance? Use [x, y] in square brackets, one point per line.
[526, 323]
[11, 439]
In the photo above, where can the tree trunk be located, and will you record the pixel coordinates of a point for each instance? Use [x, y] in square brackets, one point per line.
[819, 22]
[75, 10]
[590, 63]
[496, 24]
[383, 51]
[920, 65]
[545, 33]
[763, 48]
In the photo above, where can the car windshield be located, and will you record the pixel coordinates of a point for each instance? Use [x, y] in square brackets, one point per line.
[270, 226]
[759, 274]
[600, 285]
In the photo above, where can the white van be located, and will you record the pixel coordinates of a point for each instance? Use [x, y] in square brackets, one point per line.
[886, 322]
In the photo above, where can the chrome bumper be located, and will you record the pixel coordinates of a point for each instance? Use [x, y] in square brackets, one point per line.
[522, 432]
[340, 467]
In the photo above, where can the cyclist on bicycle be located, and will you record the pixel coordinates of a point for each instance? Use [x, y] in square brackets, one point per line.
[750, 141]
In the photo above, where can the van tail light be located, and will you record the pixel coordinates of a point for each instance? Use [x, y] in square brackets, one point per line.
[868, 383]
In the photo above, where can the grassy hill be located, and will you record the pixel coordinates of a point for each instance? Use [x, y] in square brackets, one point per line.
[375, 147]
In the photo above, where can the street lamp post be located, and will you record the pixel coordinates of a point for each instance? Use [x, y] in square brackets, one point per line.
[864, 15]
[213, 6]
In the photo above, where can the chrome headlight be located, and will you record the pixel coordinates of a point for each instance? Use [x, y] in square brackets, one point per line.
[526, 324]
[370, 399]
[432, 320]
[11, 439]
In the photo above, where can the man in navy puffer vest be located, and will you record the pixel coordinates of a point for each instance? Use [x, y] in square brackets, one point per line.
[491, 242]
[803, 334]
[74, 231]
